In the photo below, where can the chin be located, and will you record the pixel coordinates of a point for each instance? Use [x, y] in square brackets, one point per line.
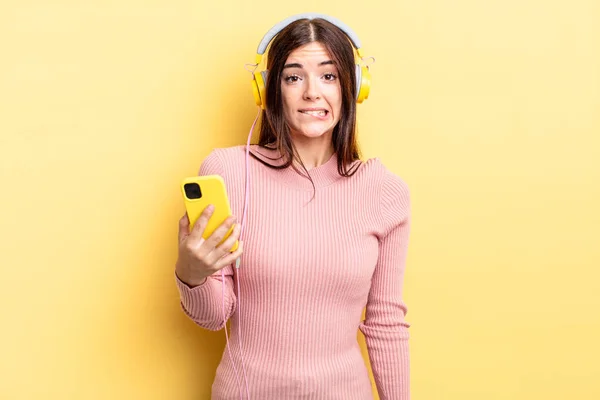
[312, 133]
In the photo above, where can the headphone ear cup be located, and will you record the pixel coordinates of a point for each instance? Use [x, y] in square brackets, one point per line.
[259, 88]
[363, 83]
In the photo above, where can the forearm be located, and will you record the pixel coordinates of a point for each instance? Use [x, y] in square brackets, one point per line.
[209, 304]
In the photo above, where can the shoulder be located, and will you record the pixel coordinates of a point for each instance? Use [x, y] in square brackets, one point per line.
[227, 154]
[390, 183]
[221, 159]
[392, 191]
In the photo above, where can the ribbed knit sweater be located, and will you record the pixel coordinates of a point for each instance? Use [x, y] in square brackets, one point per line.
[310, 267]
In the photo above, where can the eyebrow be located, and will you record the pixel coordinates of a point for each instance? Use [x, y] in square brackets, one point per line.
[298, 65]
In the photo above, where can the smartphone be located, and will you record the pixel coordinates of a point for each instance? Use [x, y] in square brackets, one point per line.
[200, 191]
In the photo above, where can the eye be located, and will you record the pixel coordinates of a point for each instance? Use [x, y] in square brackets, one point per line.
[330, 77]
[292, 79]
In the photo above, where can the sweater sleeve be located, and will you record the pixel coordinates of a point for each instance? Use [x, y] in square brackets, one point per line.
[385, 329]
[212, 303]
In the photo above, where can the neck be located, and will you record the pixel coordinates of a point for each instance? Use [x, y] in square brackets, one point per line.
[314, 152]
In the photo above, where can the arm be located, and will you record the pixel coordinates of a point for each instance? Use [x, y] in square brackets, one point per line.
[384, 327]
[211, 303]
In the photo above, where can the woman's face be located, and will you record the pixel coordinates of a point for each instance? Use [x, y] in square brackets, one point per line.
[311, 91]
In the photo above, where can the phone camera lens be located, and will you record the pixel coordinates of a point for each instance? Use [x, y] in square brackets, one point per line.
[192, 191]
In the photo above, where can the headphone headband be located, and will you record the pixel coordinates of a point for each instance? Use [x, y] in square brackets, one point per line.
[262, 47]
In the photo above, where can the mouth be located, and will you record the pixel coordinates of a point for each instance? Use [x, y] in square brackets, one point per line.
[315, 112]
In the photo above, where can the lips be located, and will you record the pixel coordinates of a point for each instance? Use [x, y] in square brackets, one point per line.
[315, 112]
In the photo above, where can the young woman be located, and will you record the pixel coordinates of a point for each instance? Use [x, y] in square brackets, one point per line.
[326, 235]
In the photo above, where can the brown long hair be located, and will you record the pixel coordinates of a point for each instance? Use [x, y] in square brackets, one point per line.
[274, 131]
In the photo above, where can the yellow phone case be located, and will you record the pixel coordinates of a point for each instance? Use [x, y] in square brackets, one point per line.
[212, 190]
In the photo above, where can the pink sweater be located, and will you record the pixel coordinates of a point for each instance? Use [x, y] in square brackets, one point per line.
[307, 272]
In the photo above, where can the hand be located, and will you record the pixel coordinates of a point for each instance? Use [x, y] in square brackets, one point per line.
[199, 258]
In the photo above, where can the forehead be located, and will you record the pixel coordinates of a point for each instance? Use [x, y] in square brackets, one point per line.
[314, 51]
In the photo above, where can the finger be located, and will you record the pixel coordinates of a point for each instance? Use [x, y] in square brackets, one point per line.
[217, 236]
[184, 227]
[226, 246]
[202, 222]
[230, 258]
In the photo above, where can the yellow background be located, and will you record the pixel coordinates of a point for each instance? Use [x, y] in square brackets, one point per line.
[488, 109]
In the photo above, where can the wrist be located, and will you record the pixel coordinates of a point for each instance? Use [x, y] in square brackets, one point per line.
[188, 279]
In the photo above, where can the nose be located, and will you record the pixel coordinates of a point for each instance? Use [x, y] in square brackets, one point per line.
[312, 90]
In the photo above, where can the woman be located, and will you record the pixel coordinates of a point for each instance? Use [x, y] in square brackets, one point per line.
[327, 236]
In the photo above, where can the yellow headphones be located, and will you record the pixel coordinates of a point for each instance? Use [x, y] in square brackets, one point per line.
[363, 76]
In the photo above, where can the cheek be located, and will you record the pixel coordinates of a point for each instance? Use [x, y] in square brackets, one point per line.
[335, 96]
[288, 111]
[287, 96]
